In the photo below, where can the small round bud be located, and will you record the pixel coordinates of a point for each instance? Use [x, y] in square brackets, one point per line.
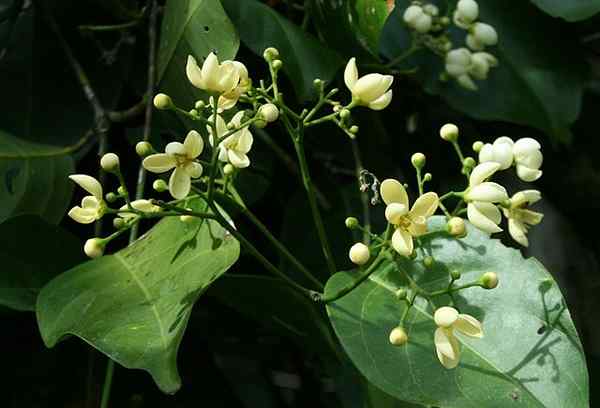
[118, 222]
[187, 218]
[455, 274]
[277, 64]
[228, 169]
[444, 21]
[110, 162]
[193, 112]
[317, 83]
[456, 227]
[489, 280]
[401, 294]
[268, 112]
[260, 124]
[160, 185]
[271, 53]
[427, 177]
[111, 197]
[449, 132]
[144, 149]
[351, 223]
[344, 113]
[428, 261]
[337, 108]
[398, 336]
[163, 101]
[94, 247]
[359, 253]
[353, 129]
[199, 105]
[469, 162]
[121, 191]
[477, 146]
[418, 160]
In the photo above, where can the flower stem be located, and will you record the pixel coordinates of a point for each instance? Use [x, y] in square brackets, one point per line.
[361, 278]
[110, 370]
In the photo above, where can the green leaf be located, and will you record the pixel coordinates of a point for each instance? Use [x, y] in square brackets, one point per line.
[530, 355]
[32, 252]
[191, 27]
[569, 10]
[134, 305]
[539, 80]
[304, 57]
[34, 179]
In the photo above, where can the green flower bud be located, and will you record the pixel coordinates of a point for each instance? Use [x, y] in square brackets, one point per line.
[455, 274]
[398, 336]
[277, 64]
[489, 280]
[351, 223]
[469, 162]
[163, 101]
[144, 149]
[449, 132]
[270, 53]
[317, 83]
[401, 294]
[353, 129]
[428, 261]
[121, 191]
[228, 169]
[427, 177]
[418, 160]
[111, 197]
[199, 105]
[160, 185]
[110, 162]
[344, 114]
[193, 112]
[456, 227]
[118, 222]
[477, 146]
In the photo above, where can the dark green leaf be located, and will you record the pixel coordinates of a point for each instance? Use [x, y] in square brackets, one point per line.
[569, 10]
[134, 305]
[530, 355]
[34, 179]
[304, 57]
[32, 252]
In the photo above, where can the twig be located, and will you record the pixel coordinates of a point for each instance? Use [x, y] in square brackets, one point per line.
[129, 113]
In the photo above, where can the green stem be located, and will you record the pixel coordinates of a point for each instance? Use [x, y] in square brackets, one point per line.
[455, 289]
[113, 27]
[215, 151]
[413, 48]
[361, 278]
[364, 197]
[108, 378]
[419, 181]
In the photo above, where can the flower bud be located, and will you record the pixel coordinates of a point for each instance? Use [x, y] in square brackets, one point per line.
[427, 177]
[418, 160]
[163, 101]
[469, 162]
[477, 146]
[160, 185]
[431, 9]
[317, 83]
[121, 191]
[455, 274]
[118, 223]
[271, 53]
[401, 294]
[94, 247]
[144, 149]
[268, 112]
[489, 280]
[110, 162]
[228, 169]
[456, 227]
[398, 336]
[344, 113]
[277, 64]
[351, 223]
[193, 112]
[111, 197]
[186, 218]
[353, 129]
[359, 253]
[199, 105]
[428, 261]
[449, 132]
[485, 34]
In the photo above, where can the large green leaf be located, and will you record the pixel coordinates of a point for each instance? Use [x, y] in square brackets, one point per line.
[539, 81]
[191, 27]
[569, 10]
[32, 252]
[33, 179]
[304, 57]
[530, 355]
[134, 305]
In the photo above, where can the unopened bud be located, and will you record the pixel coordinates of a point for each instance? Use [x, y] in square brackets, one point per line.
[228, 169]
[163, 101]
[193, 112]
[359, 253]
[455, 274]
[199, 105]
[277, 64]
[401, 294]
[345, 113]
[121, 191]
[353, 129]
[398, 336]
[351, 223]
[449, 132]
[469, 162]
[118, 223]
[477, 146]
[418, 160]
[111, 197]
[187, 218]
[94, 247]
[428, 261]
[160, 185]
[456, 227]
[271, 53]
[489, 280]
[144, 149]
[110, 162]
[317, 83]
[268, 112]
[427, 177]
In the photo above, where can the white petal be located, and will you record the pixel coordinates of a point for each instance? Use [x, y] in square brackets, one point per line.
[351, 74]
[392, 191]
[223, 154]
[394, 212]
[210, 72]
[83, 215]
[482, 171]
[525, 146]
[179, 183]
[89, 184]
[486, 154]
[220, 125]
[424, 207]
[193, 169]
[525, 197]
[530, 217]
[467, 324]
[175, 148]
[143, 205]
[229, 77]
[503, 155]
[193, 144]
[382, 102]
[445, 316]
[245, 140]
[239, 160]
[194, 73]
[484, 216]
[527, 174]
[466, 82]
[488, 192]
[372, 86]
[159, 163]
[402, 242]
[518, 231]
[447, 348]
[90, 203]
[532, 160]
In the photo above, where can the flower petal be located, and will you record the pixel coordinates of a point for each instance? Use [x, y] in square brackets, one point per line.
[402, 242]
[193, 144]
[488, 192]
[424, 207]
[83, 215]
[525, 146]
[518, 231]
[175, 148]
[159, 163]
[486, 154]
[484, 216]
[468, 325]
[372, 86]
[525, 197]
[532, 160]
[382, 102]
[90, 203]
[445, 316]
[194, 73]
[179, 183]
[351, 74]
[394, 212]
[210, 72]
[245, 140]
[447, 348]
[527, 174]
[531, 217]
[89, 184]
[482, 172]
[193, 169]
[228, 78]
[221, 128]
[237, 159]
[392, 191]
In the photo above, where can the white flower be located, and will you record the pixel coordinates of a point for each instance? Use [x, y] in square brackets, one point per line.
[408, 224]
[458, 64]
[93, 247]
[501, 152]
[181, 157]
[269, 112]
[235, 147]
[418, 19]
[481, 35]
[528, 158]
[228, 100]
[520, 218]
[480, 197]
[213, 77]
[481, 62]
[140, 205]
[359, 253]
[371, 90]
[467, 11]
[92, 206]
[449, 321]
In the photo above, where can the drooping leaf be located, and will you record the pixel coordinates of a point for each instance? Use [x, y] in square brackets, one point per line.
[539, 80]
[134, 305]
[569, 10]
[32, 252]
[304, 57]
[191, 27]
[34, 179]
[530, 355]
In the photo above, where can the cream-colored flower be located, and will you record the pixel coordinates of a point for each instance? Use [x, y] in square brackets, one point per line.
[519, 217]
[528, 158]
[221, 78]
[480, 36]
[372, 90]
[228, 100]
[450, 321]
[418, 19]
[235, 147]
[142, 205]
[501, 152]
[182, 158]
[92, 206]
[467, 11]
[481, 62]
[481, 196]
[408, 224]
